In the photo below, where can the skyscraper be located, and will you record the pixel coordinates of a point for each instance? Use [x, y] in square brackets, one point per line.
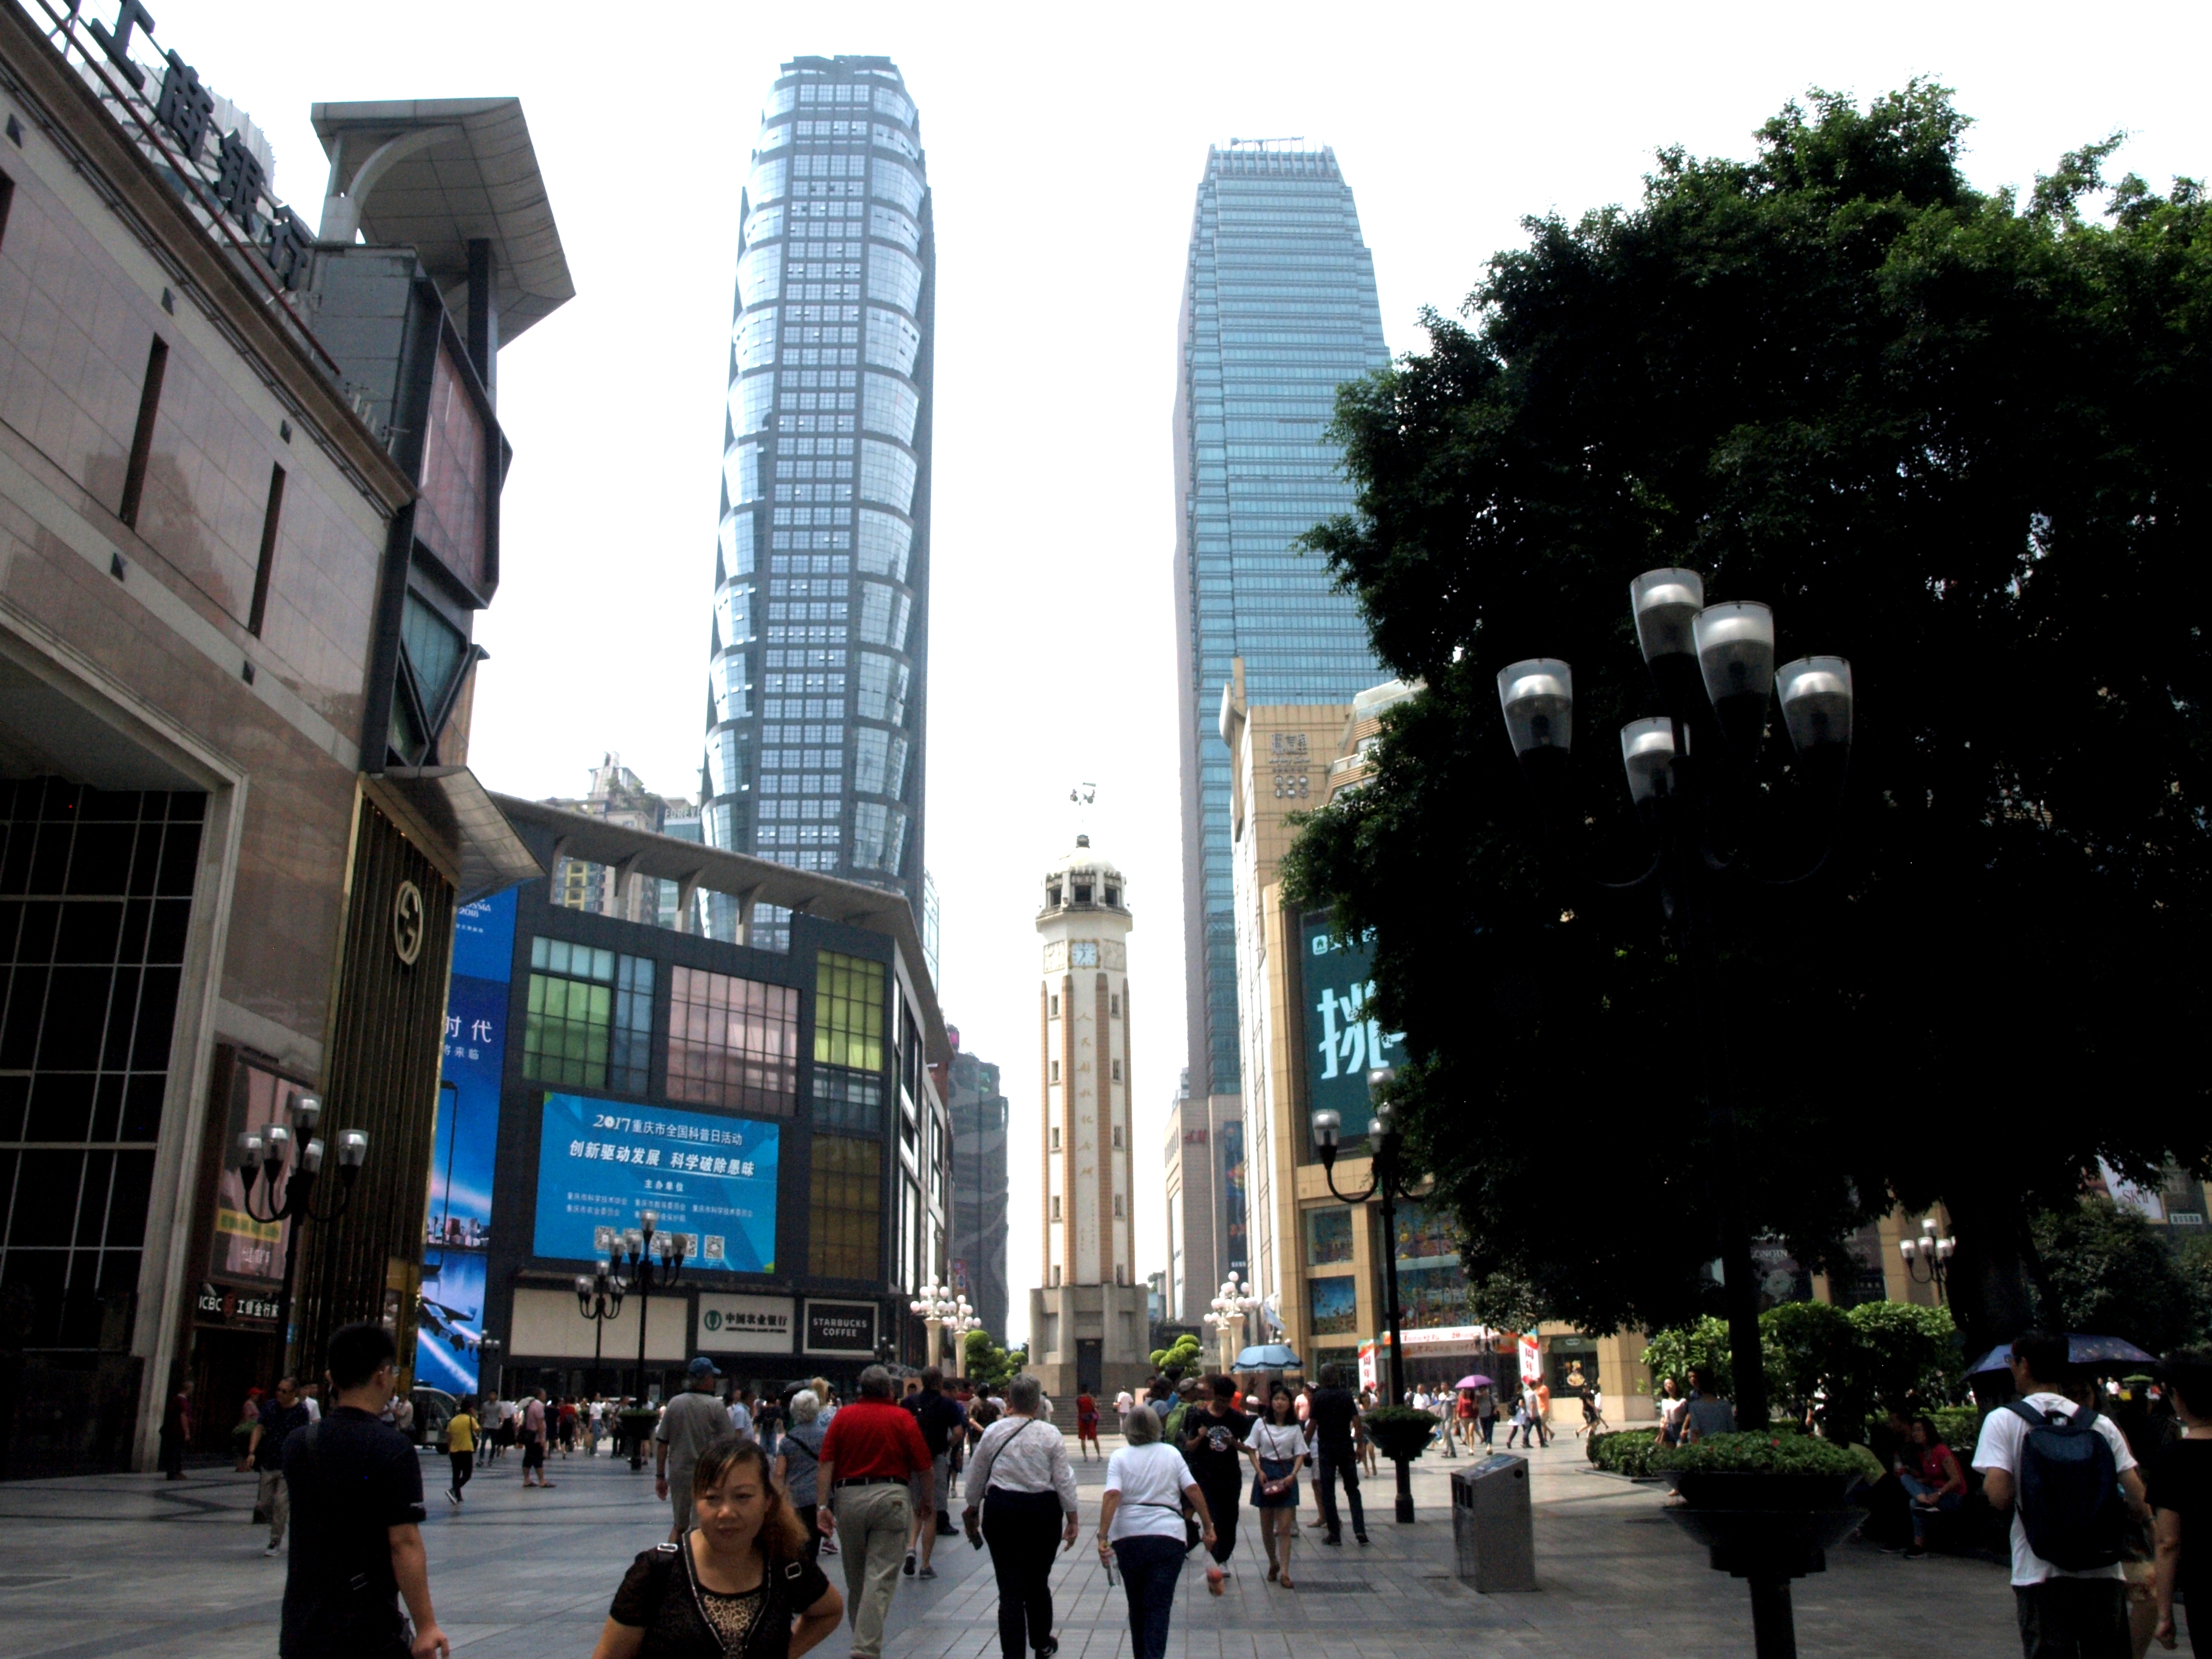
[978, 1207]
[1278, 310]
[819, 658]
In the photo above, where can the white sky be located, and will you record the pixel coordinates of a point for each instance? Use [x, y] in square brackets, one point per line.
[1064, 147]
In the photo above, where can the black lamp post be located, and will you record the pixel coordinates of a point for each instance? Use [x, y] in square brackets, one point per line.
[1689, 774]
[646, 1276]
[1387, 1180]
[599, 1298]
[266, 1153]
[1928, 1258]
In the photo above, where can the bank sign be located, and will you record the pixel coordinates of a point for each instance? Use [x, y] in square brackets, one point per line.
[1343, 1039]
[707, 1178]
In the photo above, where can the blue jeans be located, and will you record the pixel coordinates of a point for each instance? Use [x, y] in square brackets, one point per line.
[1150, 1567]
[1915, 1488]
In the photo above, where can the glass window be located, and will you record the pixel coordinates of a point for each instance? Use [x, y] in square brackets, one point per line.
[889, 404]
[887, 475]
[884, 541]
[570, 1024]
[1329, 1237]
[893, 276]
[893, 341]
[845, 1194]
[892, 181]
[848, 1099]
[733, 1042]
[848, 1012]
[632, 1058]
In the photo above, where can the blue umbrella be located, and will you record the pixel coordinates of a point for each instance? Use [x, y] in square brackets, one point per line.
[1267, 1357]
[2080, 1351]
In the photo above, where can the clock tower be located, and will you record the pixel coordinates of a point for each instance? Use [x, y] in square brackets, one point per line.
[1088, 1321]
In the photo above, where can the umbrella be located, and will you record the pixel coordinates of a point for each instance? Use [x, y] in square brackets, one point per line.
[1267, 1356]
[1475, 1382]
[2080, 1351]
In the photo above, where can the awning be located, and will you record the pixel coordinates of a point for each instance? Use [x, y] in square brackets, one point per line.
[460, 826]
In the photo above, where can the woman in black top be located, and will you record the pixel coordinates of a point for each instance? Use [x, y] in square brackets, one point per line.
[2180, 1493]
[739, 1586]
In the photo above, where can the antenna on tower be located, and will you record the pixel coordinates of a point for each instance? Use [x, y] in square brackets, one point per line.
[1082, 798]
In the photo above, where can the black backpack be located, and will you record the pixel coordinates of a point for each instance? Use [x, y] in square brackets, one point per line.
[2068, 1489]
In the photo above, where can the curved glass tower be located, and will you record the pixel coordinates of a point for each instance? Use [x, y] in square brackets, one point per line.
[819, 654]
[1279, 309]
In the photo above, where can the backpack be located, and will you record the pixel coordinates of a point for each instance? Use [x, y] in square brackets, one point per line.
[2068, 1488]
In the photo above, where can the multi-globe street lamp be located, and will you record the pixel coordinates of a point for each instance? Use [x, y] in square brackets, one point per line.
[635, 1250]
[1388, 1180]
[1233, 1306]
[1689, 773]
[599, 1298]
[1928, 1258]
[948, 1310]
[267, 1152]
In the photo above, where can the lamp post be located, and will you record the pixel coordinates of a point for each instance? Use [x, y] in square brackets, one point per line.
[646, 1276]
[489, 1350]
[268, 1152]
[1928, 1258]
[1689, 774]
[941, 1306]
[599, 1298]
[1233, 1305]
[1387, 1180]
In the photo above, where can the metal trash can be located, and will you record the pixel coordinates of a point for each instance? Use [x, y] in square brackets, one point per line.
[1493, 1527]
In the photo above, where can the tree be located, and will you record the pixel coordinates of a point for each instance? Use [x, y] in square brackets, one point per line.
[1178, 1356]
[2108, 1272]
[1839, 1364]
[989, 1364]
[1959, 440]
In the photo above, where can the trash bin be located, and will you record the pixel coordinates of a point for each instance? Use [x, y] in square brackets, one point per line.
[1493, 1527]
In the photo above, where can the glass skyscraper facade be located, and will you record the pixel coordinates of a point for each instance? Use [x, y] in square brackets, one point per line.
[1279, 309]
[819, 653]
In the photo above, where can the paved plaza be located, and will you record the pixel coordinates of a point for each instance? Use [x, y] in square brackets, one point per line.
[132, 1565]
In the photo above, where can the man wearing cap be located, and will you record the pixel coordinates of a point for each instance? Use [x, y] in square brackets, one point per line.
[688, 1423]
[871, 1453]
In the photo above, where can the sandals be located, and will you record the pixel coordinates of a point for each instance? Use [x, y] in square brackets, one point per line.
[1285, 1581]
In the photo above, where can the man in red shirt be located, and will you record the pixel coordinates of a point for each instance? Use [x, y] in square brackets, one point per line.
[873, 1448]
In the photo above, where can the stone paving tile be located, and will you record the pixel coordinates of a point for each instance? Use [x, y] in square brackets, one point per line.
[139, 1568]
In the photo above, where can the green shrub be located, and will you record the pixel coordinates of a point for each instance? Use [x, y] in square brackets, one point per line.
[1626, 1452]
[1770, 1453]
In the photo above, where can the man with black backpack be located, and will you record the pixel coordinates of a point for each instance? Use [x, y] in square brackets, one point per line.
[2064, 1470]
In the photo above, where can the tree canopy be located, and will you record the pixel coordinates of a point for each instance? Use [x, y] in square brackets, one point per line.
[1956, 437]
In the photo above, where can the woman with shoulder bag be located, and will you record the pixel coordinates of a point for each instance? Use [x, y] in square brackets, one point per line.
[1149, 1487]
[799, 1465]
[739, 1584]
[1278, 1448]
[1020, 1483]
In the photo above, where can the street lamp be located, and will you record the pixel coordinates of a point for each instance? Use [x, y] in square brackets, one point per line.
[1928, 1258]
[646, 1276]
[599, 1298]
[941, 1306]
[1233, 1305]
[488, 1353]
[1387, 1180]
[265, 1154]
[1714, 669]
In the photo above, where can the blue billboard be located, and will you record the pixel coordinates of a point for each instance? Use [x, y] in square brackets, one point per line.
[449, 1312]
[707, 1178]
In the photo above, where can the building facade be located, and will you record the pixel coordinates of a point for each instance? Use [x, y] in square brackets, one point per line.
[1088, 1326]
[1209, 1232]
[979, 1109]
[819, 658]
[782, 1111]
[1279, 309]
[251, 488]
[619, 795]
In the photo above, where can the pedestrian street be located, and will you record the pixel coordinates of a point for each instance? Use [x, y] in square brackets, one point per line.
[135, 1565]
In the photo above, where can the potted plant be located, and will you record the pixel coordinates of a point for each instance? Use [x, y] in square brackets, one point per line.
[1399, 1432]
[1766, 1505]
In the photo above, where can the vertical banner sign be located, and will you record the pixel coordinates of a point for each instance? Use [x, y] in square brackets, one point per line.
[450, 1315]
[1343, 1042]
[1235, 1226]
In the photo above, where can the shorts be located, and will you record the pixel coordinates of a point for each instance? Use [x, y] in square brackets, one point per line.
[533, 1452]
[930, 1488]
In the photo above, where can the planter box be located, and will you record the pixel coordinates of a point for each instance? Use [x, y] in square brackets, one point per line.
[1399, 1441]
[1764, 1526]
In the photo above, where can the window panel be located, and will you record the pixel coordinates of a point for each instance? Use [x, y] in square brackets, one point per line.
[894, 276]
[887, 474]
[844, 1232]
[848, 1012]
[733, 1042]
[885, 542]
[891, 405]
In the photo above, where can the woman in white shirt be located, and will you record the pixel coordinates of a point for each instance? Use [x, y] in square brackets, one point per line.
[1278, 1446]
[1140, 1525]
[1020, 1478]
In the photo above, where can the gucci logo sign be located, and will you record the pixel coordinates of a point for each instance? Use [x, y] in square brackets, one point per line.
[407, 922]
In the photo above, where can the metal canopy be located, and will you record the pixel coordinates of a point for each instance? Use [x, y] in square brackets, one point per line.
[436, 173]
[460, 825]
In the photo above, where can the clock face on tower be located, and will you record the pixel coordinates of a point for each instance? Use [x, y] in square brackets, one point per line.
[1084, 953]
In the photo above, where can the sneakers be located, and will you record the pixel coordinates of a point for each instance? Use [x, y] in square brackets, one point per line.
[910, 1564]
[829, 1546]
[1362, 1539]
[926, 1572]
[453, 1497]
[1915, 1552]
[270, 1549]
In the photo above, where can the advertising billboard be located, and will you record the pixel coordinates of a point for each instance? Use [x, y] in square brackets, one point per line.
[705, 1176]
[1343, 1041]
[449, 1316]
[744, 1324]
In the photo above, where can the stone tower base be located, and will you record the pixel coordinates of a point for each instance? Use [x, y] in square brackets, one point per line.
[1067, 1320]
